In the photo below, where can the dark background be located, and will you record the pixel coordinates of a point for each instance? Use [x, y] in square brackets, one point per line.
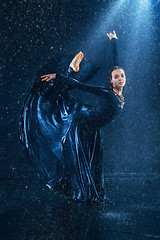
[33, 32]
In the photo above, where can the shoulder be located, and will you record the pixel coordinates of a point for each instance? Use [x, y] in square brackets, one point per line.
[106, 91]
[109, 94]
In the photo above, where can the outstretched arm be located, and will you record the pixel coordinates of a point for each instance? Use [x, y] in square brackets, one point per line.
[113, 38]
[75, 83]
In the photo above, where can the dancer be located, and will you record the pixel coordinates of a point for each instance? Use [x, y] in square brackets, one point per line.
[63, 136]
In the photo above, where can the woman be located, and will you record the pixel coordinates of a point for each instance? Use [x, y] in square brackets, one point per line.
[63, 136]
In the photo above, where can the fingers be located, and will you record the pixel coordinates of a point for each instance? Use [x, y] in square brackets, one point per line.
[45, 77]
[48, 79]
[112, 35]
[109, 35]
[115, 35]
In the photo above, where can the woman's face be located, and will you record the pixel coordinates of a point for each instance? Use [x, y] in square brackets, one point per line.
[118, 78]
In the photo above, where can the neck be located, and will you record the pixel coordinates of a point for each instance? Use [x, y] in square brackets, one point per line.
[118, 91]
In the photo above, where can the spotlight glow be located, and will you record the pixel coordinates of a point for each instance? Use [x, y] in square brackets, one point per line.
[107, 20]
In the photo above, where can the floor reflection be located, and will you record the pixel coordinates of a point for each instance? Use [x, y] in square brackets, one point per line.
[30, 211]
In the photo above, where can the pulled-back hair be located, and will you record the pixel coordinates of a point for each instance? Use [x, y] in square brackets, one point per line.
[110, 74]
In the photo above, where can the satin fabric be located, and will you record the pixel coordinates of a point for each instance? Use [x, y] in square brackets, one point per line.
[62, 136]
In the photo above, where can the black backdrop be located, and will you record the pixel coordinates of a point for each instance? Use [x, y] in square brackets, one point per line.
[33, 31]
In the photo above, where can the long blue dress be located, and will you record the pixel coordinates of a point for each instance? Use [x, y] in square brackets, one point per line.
[62, 135]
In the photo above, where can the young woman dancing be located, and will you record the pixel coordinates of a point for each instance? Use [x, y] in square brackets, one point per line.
[62, 135]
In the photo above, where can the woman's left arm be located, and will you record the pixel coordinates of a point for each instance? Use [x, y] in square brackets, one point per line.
[113, 39]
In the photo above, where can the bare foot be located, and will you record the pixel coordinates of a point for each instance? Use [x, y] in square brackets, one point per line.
[76, 61]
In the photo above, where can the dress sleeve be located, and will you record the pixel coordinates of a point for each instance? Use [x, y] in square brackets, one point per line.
[115, 61]
[73, 83]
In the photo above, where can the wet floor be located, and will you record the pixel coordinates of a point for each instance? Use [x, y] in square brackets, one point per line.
[30, 211]
[32, 32]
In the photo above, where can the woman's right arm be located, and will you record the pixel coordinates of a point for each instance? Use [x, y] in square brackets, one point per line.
[73, 83]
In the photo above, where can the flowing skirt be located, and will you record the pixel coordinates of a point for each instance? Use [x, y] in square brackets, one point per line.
[61, 143]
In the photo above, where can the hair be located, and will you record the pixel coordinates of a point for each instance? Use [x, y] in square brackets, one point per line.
[110, 74]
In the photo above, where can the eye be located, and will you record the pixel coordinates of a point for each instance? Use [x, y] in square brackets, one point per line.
[116, 76]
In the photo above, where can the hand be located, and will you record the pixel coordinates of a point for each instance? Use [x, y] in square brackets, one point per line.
[48, 77]
[76, 61]
[112, 35]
